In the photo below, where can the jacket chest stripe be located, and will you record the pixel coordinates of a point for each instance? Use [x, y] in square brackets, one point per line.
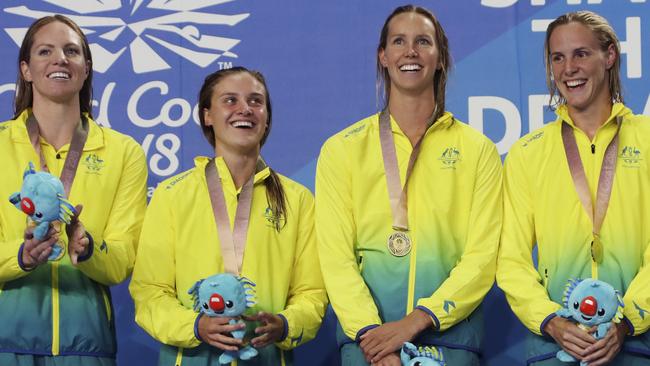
[55, 309]
[411, 285]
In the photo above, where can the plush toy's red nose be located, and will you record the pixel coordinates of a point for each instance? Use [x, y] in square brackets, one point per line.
[588, 306]
[216, 303]
[27, 206]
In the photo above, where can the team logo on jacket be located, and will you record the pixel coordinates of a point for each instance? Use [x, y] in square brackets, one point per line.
[631, 157]
[94, 164]
[450, 157]
[272, 219]
[141, 29]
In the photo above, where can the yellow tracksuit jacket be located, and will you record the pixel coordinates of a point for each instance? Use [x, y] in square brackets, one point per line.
[454, 212]
[542, 208]
[58, 309]
[179, 246]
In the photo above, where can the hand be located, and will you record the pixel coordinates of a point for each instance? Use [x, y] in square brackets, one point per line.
[78, 242]
[391, 359]
[216, 332]
[379, 342]
[270, 330]
[604, 350]
[571, 338]
[35, 252]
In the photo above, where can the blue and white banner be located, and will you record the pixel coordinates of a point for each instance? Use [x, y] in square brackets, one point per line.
[150, 58]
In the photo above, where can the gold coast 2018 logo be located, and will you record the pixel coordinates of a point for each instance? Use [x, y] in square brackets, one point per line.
[177, 26]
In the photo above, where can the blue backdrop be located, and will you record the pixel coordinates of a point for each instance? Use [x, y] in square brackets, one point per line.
[319, 58]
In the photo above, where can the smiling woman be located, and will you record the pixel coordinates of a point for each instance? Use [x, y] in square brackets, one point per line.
[572, 192]
[408, 209]
[187, 237]
[60, 308]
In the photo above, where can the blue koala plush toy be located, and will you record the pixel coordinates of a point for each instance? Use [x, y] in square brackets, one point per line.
[42, 199]
[411, 355]
[590, 303]
[226, 295]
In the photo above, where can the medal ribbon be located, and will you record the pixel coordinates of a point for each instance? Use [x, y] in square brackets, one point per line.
[397, 194]
[71, 163]
[232, 241]
[605, 182]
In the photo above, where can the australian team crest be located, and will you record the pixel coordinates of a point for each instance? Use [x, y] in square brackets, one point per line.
[94, 164]
[631, 156]
[450, 157]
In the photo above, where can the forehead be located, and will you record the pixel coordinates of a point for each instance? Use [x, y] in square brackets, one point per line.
[56, 32]
[572, 36]
[410, 22]
[239, 83]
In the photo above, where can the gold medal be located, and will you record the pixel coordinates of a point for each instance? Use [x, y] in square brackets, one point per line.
[399, 244]
[597, 249]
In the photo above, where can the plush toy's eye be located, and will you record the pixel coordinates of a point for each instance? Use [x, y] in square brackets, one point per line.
[576, 305]
[205, 305]
[38, 215]
[601, 312]
[417, 363]
[229, 304]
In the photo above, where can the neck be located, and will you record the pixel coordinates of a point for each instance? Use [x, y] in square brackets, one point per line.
[589, 120]
[412, 113]
[56, 122]
[241, 166]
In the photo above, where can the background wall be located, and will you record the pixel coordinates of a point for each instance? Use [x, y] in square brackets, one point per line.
[319, 59]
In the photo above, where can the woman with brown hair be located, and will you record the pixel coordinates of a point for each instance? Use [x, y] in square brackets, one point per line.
[56, 310]
[408, 247]
[187, 237]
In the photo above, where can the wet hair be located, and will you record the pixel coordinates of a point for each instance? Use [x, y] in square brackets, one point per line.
[24, 97]
[604, 34]
[444, 58]
[275, 195]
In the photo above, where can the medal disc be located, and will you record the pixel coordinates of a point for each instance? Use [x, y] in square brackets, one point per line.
[399, 244]
[597, 250]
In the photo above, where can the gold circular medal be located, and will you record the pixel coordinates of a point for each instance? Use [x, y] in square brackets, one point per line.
[399, 244]
[597, 250]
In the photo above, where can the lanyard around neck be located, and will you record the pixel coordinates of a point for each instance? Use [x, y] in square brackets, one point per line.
[71, 163]
[397, 194]
[605, 182]
[233, 242]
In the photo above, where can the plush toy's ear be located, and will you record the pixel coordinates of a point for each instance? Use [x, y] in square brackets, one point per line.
[29, 170]
[619, 309]
[570, 286]
[15, 200]
[249, 291]
[66, 209]
[194, 291]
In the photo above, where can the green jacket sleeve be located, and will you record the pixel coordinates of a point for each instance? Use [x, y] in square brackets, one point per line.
[153, 285]
[637, 297]
[516, 274]
[335, 232]
[307, 299]
[473, 276]
[113, 250]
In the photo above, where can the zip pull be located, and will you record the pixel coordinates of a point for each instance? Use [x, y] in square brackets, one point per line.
[593, 148]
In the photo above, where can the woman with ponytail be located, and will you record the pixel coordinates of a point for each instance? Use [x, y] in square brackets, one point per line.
[187, 234]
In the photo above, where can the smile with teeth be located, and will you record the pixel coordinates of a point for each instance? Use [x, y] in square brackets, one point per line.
[242, 124]
[410, 67]
[59, 75]
[575, 83]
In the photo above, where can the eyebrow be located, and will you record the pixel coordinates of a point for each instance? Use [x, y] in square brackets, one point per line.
[417, 35]
[231, 94]
[53, 46]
